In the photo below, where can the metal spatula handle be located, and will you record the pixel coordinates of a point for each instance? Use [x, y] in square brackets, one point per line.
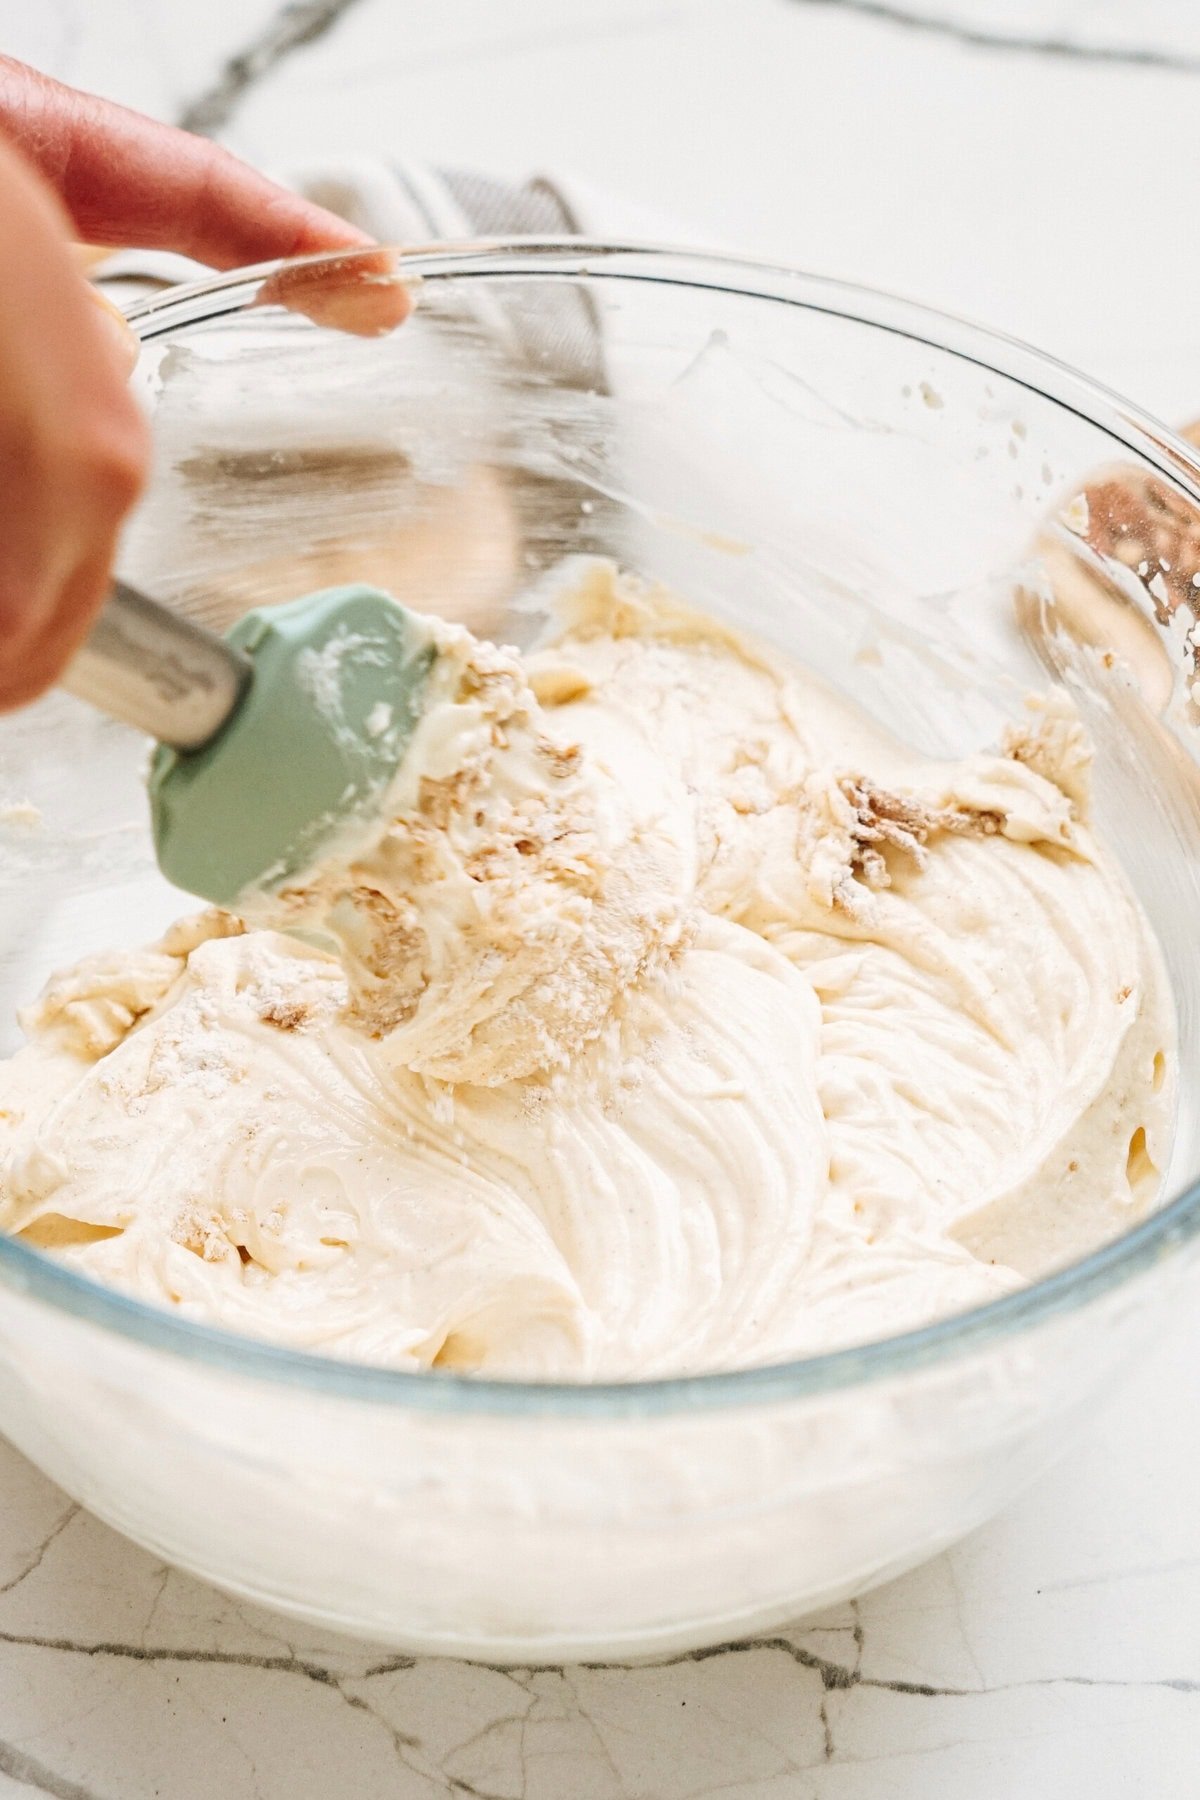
[152, 668]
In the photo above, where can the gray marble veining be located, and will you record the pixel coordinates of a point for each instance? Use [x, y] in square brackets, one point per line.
[1009, 158]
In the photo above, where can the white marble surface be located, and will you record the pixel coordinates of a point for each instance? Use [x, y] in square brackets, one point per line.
[1029, 162]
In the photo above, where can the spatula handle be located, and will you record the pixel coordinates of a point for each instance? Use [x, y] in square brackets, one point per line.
[155, 669]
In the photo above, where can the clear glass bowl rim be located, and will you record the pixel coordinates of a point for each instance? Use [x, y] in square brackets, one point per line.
[1159, 1237]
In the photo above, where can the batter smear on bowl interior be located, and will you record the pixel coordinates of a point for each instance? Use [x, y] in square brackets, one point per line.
[680, 1019]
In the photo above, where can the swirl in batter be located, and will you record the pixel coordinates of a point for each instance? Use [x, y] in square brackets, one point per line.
[677, 1018]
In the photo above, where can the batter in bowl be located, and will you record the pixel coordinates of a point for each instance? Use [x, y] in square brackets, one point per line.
[679, 1019]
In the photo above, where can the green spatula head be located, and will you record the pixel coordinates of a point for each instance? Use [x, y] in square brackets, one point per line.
[337, 687]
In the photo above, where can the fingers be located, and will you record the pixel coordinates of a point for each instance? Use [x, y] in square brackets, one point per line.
[359, 293]
[73, 443]
[33, 662]
[125, 179]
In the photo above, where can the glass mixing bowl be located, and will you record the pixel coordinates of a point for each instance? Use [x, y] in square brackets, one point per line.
[936, 520]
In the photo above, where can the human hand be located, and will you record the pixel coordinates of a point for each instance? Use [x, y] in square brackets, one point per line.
[73, 443]
[127, 179]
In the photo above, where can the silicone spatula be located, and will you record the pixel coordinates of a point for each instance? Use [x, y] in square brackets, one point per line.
[274, 742]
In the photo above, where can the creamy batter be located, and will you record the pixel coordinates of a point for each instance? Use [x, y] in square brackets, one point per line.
[679, 1019]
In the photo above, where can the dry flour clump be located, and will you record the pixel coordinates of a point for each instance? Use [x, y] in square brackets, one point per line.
[515, 893]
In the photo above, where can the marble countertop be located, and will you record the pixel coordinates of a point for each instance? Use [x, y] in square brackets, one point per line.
[1026, 162]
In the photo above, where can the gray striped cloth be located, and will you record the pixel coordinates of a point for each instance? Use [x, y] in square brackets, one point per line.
[405, 204]
[218, 538]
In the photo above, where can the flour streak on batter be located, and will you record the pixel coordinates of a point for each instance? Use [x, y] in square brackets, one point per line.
[680, 1019]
